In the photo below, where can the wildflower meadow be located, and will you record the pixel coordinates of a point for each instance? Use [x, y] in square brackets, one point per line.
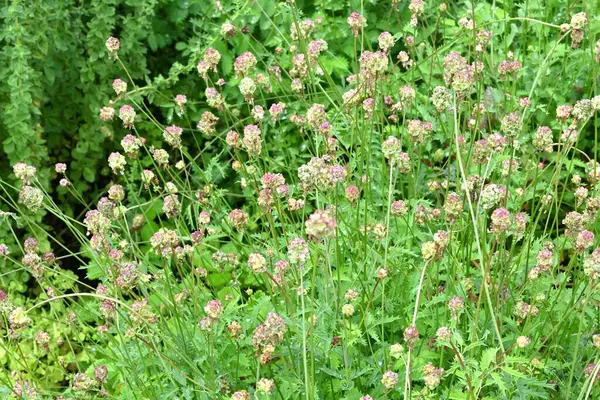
[309, 199]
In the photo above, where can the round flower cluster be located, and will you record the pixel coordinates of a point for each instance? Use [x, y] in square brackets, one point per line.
[31, 197]
[252, 140]
[404, 59]
[583, 110]
[107, 114]
[482, 38]
[171, 205]
[416, 8]
[164, 241]
[456, 305]
[128, 275]
[127, 116]
[238, 219]
[96, 222]
[542, 139]
[520, 224]
[591, 264]
[228, 30]
[523, 341]
[113, 45]
[233, 139]
[453, 206]
[18, 319]
[584, 240]
[432, 376]
[317, 173]
[523, 310]
[24, 172]
[578, 23]
[481, 152]
[500, 221]
[210, 61]
[373, 63]
[298, 251]
[300, 69]
[407, 95]
[392, 150]
[417, 130]
[509, 68]
[244, 64]
[563, 112]
[389, 380]
[32, 261]
[247, 88]
[356, 22]
[141, 313]
[428, 250]
[295, 204]
[212, 58]
[441, 98]
[386, 41]
[172, 135]
[347, 310]
[411, 335]
[511, 125]
[207, 123]
[316, 116]
[266, 386]
[306, 26]
[575, 223]
[214, 309]
[496, 143]
[457, 71]
[321, 224]
[117, 163]
[491, 195]
[240, 395]
[60, 168]
[396, 350]
[120, 87]
[267, 335]
[180, 102]
[444, 334]
[276, 110]
[258, 113]
[131, 145]
[272, 181]
[257, 263]
[352, 193]
[399, 208]
[82, 382]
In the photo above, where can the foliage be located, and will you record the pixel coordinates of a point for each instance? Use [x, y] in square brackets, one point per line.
[316, 200]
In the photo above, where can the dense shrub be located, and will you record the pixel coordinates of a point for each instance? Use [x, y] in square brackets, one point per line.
[300, 200]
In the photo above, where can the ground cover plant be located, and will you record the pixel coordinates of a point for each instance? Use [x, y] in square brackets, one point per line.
[320, 200]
